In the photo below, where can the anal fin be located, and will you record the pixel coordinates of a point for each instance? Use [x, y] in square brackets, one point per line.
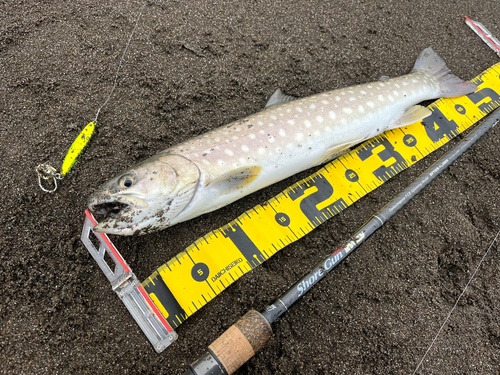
[410, 116]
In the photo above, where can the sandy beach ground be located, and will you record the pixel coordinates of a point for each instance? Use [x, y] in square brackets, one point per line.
[193, 66]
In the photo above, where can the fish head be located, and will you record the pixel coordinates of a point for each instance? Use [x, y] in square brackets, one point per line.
[146, 197]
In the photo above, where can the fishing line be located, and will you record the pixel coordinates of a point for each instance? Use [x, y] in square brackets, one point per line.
[121, 61]
[46, 171]
[456, 303]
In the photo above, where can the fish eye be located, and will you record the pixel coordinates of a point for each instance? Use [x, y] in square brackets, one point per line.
[127, 181]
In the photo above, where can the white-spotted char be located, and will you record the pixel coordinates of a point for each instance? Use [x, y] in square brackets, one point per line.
[288, 136]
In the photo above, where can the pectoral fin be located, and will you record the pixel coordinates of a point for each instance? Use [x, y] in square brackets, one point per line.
[235, 179]
[410, 116]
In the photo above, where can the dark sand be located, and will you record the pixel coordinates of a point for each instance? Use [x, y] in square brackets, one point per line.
[193, 66]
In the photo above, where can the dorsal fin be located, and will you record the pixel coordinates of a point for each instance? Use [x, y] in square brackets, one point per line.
[279, 98]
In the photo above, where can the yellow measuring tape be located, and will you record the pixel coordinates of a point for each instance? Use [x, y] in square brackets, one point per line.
[195, 276]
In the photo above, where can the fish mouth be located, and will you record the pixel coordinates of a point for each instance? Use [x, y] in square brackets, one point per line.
[107, 210]
[111, 209]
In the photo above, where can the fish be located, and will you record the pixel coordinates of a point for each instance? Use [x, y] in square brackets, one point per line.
[289, 135]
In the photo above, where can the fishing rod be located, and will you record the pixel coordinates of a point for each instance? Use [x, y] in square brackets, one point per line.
[251, 332]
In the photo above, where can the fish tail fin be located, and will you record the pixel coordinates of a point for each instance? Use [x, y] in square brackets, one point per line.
[449, 85]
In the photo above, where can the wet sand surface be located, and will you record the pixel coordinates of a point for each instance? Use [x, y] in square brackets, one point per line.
[191, 67]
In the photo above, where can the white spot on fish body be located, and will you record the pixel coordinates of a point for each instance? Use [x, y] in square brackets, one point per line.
[391, 98]
[325, 102]
[274, 117]
[241, 160]
[312, 106]
[252, 136]
[370, 104]
[282, 114]
[414, 80]
[228, 152]
[361, 109]
[405, 83]
[397, 86]
[395, 93]
[205, 161]
[380, 98]
[220, 162]
[261, 151]
[271, 124]
[245, 148]
[338, 98]
[288, 110]
[262, 132]
[282, 132]
[319, 119]
[291, 122]
[352, 98]
[260, 123]
[271, 139]
[363, 92]
[317, 133]
[370, 86]
[299, 136]
[217, 139]
[298, 109]
[307, 123]
[381, 84]
[235, 137]
[332, 115]
[343, 121]
[347, 110]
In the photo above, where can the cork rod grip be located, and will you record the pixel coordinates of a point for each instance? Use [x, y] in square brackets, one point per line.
[241, 341]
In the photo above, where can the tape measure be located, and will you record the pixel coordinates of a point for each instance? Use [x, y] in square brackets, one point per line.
[195, 276]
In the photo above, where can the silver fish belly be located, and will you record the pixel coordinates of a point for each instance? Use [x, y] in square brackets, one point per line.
[221, 166]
